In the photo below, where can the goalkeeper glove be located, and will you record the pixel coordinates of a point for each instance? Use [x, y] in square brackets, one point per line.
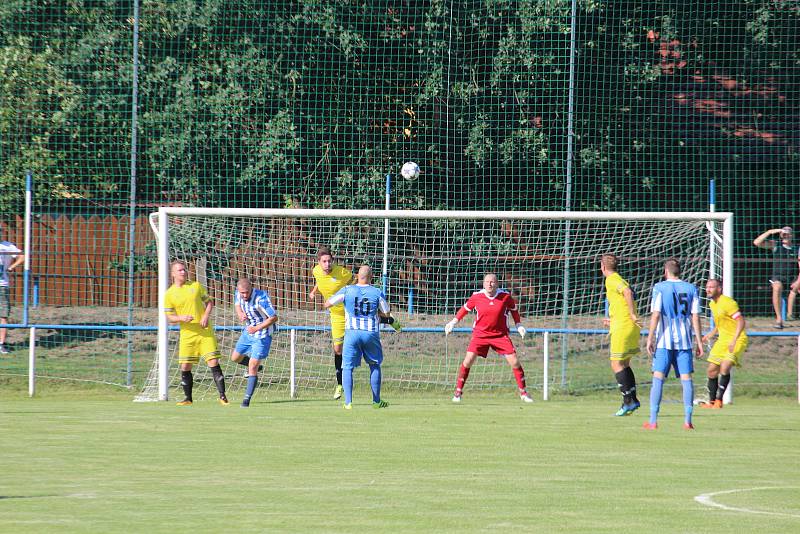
[449, 326]
[521, 330]
[391, 321]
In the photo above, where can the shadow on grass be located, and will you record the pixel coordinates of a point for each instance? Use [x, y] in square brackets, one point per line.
[60, 338]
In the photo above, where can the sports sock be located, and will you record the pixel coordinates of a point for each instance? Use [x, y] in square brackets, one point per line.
[688, 399]
[724, 380]
[375, 382]
[623, 386]
[463, 373]
[711, 386]
[244, 361]
[219, 379]
[337, 362]
[252, 382]
[187, 381]
[630, 384]
[347, 380]
[519, 374]
[655, 398]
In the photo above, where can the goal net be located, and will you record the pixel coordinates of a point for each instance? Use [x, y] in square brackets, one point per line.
[429, 264]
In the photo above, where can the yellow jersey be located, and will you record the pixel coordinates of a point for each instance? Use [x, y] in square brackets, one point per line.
[329, 284]
[725, 311]
[617, 307]
[189, 299]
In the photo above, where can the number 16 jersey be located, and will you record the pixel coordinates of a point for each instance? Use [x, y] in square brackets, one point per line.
[676, 300]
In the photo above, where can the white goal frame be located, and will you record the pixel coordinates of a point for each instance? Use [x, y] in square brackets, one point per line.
[162, 232]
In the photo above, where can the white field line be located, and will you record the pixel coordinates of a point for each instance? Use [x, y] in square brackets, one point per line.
[707, 499]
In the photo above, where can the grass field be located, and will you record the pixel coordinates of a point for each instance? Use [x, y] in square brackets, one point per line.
[97, 462]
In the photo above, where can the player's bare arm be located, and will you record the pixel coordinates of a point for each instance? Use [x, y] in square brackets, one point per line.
[313, 293]
[266, 323]
[627, 293]
[740, 326]
[17, 262]
[239, 313]
[207, 313]
[696, 327]
[651, 334]
[710, 335]
[176, 319]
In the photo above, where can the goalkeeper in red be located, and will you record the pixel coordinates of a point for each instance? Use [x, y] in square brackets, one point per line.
[491, 306]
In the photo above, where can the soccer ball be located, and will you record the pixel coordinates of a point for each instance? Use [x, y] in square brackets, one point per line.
[410, 170]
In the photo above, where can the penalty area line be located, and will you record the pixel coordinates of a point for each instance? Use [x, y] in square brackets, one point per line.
[707, 499]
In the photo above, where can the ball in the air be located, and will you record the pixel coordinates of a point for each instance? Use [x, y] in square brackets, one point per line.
[410, 170]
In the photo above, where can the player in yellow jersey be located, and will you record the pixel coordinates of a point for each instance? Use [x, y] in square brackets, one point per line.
[730, 345]
[624, 328]
[187, 303]
[328, 279]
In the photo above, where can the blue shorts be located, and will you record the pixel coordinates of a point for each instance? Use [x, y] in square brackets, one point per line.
[257, 347]
[358, 344]
[680, 360]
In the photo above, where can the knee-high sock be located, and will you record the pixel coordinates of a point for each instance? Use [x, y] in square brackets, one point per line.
[724, 380]
[375, 382]
[630, 383]
[655, 398]
[519, 374]
[252, 382]
[623, 386]
[712, 387]
[337, 363]
[187, 381]
[463, 373]
[219, 380]
[688, 399]
[347, 382]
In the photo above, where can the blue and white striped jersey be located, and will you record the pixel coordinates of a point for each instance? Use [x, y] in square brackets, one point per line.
[676, 300]
[361, 305]
[257, 308]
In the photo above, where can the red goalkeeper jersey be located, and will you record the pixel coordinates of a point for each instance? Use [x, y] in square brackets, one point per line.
[491, 312]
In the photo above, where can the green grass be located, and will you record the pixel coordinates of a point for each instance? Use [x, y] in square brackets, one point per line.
[104, 464]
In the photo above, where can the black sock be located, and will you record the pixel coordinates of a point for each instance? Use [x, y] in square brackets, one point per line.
[630, 382]
[623, 388]
[337, 362]
[244, 361]
[219, 380]
[712, 388]
[724, 380]
[187, 382]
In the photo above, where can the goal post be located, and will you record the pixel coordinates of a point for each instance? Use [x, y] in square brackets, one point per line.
[441, 256]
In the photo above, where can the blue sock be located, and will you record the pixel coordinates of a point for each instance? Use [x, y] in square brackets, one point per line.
[347, 384]
[375, 382]
[655, 398]
[252, 381]
[688, 399]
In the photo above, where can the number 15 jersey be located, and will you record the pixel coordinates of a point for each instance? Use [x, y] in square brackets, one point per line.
[676, 300]
[361, 306]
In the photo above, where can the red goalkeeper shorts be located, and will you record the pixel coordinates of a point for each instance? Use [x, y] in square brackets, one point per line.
[480, 345]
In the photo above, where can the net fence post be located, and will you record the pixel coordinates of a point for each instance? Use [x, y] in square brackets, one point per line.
[163, 280]
[292, 359]
[546, 367]
[32, 362]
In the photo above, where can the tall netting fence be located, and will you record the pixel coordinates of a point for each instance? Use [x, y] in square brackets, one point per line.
[514, 105]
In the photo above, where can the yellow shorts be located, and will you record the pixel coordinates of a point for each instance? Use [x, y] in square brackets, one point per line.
[337, 327]
[719, 352]
[196, 343]
[624, 342]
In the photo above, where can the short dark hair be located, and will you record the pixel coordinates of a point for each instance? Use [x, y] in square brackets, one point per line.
[609, 261]
[673, 267]
[324, 250]
[715, 280]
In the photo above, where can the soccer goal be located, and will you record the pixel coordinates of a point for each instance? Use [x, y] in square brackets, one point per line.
[430, 262]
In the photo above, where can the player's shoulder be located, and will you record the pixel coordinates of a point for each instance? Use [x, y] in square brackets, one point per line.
[340, 271]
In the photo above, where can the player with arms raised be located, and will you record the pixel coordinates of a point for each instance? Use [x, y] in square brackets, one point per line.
[491, 306]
